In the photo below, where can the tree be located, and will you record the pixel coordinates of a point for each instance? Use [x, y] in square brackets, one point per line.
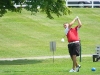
[57, 7]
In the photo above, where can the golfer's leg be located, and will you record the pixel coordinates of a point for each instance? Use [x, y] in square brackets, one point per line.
[74, 61]
[76, 64]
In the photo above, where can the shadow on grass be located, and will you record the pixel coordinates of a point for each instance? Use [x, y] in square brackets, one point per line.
[19, 62]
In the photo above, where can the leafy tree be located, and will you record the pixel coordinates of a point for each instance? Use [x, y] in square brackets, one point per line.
[57, 7]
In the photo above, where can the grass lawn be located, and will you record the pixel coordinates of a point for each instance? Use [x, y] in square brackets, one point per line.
[26, 35]
[47, 67]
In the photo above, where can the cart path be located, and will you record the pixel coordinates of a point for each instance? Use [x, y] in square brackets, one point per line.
[41, 57]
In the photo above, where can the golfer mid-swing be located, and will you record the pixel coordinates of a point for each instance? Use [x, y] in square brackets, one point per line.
[73, 42]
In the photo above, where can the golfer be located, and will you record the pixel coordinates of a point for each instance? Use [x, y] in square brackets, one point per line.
[73, 42]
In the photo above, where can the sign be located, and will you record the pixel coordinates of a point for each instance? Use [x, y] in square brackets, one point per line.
[52, 46]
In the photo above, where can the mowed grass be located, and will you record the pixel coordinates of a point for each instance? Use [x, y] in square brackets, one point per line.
[25, 35]
[47, 67]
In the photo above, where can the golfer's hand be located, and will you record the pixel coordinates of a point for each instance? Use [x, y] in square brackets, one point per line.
[77, 17]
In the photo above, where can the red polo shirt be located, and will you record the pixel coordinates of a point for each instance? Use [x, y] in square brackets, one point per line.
[72, 34]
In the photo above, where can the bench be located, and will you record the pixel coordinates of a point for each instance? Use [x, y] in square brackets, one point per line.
[96, 56]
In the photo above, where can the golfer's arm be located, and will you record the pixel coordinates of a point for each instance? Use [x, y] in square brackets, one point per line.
[79, 23]
[72, 22]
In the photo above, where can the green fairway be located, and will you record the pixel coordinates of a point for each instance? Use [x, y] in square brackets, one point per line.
[25, 35]
[47, 67]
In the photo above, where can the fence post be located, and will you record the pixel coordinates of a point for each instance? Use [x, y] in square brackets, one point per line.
[92, 4]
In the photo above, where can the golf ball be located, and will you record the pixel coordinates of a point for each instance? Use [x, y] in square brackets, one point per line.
[93, 69]
[62, 40]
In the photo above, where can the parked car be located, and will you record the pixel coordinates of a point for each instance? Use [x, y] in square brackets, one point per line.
[82, 3]
[97, 3]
